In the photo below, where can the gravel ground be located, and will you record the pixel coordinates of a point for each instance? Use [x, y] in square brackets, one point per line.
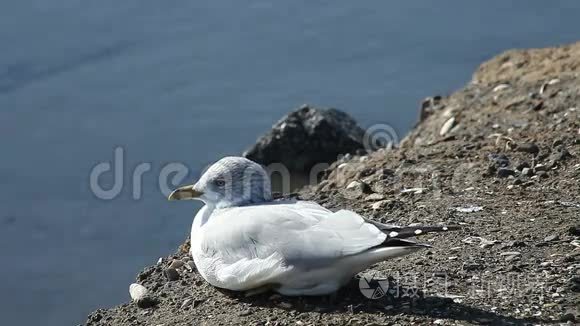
[500, 157]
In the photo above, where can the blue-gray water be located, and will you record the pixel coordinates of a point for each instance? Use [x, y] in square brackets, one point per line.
[192, 81]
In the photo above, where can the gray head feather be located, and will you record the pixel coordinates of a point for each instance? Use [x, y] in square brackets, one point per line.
[235, 181]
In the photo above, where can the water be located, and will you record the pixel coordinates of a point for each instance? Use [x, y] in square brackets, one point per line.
[182, 81]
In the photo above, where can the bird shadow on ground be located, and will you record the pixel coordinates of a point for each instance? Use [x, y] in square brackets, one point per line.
[350, 300]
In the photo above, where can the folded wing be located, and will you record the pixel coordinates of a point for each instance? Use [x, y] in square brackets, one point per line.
[255, 245]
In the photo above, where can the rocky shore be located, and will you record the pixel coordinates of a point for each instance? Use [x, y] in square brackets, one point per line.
[500, 157]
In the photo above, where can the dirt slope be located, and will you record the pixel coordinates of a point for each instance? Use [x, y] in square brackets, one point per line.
[500, 157]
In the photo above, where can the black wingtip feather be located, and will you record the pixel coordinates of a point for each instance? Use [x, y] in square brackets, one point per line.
[402, 232]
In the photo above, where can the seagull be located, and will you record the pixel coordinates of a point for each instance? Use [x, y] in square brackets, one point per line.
[244, 240]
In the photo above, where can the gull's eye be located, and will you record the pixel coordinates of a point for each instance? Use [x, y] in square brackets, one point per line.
[219, 182]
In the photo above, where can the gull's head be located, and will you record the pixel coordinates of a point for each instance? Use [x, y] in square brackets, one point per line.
[231, 181]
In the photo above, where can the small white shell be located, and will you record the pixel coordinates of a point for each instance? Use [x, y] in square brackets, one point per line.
[501, 87]
[137, 291]
[447, 126]
[393, 234]
[418, 231]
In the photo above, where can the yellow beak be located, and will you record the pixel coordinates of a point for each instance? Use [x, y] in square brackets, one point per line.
[184, 193]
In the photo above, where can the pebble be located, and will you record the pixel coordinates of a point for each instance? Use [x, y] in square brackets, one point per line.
[146, 302]
[416, 191]
[171, 274]
[354, 185]
[469, 266]
[545, 85]
[137, 291]
[447, 126]
[190, 266]
[560, 154]
[568, 317]
[186, 303]
[245, 312]
[574, 230]
[552, 237]
[540, 167]
[439, 322]
[380, 204]
[510, 253]
[374, 197]
[469, 209]
[285, 305]
[175, 264]
[359, 187]
[505, 172]
[501, 87]
[522, 165]
[526, 171]
[500, 160]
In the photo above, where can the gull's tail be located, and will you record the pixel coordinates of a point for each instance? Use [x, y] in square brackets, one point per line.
[403, 232]
[396, 244]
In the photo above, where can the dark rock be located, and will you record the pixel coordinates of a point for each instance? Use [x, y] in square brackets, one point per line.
[542, 174]
[568, 317]
[557, 143]
[559, 154]
[575, 284]
[147, 302]
[574, 230]
[499, 160]
[145, 274]
[365, 173]
[522, 165]
[471, 266]
[505, 172]
[308, 136]
[95, 317]
[430, 105]
[528, 148]
[171, 274]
